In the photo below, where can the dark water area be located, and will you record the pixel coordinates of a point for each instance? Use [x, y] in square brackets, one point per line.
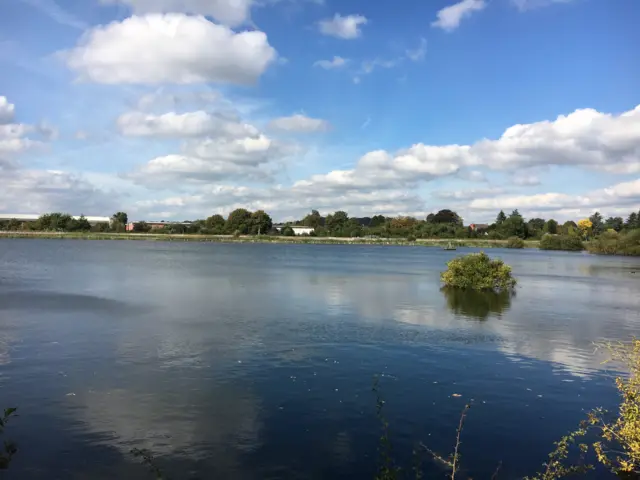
[252, 361]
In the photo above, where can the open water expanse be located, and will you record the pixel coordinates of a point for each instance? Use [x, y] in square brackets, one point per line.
[252, 361]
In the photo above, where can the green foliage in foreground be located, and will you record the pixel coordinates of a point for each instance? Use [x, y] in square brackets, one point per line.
[515, 242]
[614, 243]
[570, 243]
[9, 448]
[477, 271]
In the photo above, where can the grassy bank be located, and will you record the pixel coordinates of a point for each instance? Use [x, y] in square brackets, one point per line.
[436, 242]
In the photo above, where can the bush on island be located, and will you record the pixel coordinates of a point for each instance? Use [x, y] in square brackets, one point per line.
[477, 271]
[515, 242]
[570, 243]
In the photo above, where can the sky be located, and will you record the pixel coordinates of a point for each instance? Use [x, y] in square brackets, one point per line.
[181, 109]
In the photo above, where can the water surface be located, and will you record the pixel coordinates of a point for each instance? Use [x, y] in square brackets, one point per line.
[257, 360]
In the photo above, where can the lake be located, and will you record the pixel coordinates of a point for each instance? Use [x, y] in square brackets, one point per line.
[252, 361]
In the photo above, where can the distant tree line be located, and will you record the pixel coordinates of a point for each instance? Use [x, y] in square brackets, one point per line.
[610, 235]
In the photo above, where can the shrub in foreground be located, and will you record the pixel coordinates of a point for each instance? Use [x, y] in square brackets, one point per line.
[515, 242]
[477, 271]
[570, 243]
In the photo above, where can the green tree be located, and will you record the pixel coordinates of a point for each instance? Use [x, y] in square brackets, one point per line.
[551, 227]
[535, 227]
[260, 223]
[288, 231]
[336, 223]
[239, 221]
[120, 217]
[141, 227]
[215, 224]
[514, 226]
[445, 216]
[500, 219]
[377, 220]
[597, 224]
[314, 219]
[78, 225]
[614, 223]
[633, 221]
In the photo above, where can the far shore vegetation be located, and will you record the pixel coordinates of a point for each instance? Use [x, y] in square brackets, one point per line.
[611, 236]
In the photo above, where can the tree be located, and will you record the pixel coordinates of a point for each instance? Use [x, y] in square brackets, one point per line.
[597, 225]
[78, 225]
[536, 224]
[215, 224]
[551, 226]
[500, 219]
[376, 221]
[238, 221]
[614, 223]
[120, 217]
[336, 223]
[514, 226]
[445, 216]
[569, 227]
[260, 222]
[632, 221]
[314, 219]
[141, 227]
[585, 226]
[288, 231]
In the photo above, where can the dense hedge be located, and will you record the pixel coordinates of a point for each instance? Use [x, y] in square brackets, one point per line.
[614, 243]
[570, 243]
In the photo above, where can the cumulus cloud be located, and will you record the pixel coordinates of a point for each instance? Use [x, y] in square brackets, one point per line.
[230, 12]
[619, 195]
[336, 62]
[7, 110]
[13, 136]
[190, 124]
[449, 18]
[37, 191]
[298, 124]
[169, 48]
[347, 27]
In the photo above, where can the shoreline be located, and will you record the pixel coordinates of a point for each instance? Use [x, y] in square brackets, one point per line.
[163, 237]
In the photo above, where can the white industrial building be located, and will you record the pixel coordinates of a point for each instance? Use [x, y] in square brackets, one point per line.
[297, 230]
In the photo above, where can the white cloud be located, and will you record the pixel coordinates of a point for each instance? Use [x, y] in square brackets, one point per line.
[230, 12]
[13, 136]
[162, 99]
[190, 124]
[169, 48]
[419, 53]
[449, 18]
[336, 62]
[7, 110]
[347, 27]
[38, 191]
[619, 195]
[299, 123]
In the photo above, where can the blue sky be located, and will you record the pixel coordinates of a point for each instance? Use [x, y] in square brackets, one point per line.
[185, 108]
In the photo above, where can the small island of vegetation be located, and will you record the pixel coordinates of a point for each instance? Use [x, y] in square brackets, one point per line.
[477, 271]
